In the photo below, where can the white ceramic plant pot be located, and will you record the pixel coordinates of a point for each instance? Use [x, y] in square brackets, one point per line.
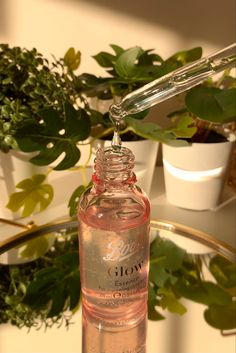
[195, 175]
[14, 167]
[145, 152]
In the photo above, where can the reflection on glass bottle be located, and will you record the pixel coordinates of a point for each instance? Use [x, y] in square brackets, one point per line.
[114, 218]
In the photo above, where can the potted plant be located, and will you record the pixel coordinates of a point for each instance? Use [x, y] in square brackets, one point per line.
[195, 175]
[45, 109]
[28, 84]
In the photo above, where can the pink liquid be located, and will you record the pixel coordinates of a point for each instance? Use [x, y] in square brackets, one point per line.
[114, 254]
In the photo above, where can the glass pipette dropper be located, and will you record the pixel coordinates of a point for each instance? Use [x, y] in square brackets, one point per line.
[174, 83]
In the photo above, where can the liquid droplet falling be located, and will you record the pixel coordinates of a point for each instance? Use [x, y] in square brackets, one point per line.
[116, 140]
[116, 117]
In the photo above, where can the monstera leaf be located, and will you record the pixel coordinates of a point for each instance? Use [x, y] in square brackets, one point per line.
[55, 137]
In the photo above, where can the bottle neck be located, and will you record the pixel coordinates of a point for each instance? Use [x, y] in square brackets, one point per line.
[113, 168]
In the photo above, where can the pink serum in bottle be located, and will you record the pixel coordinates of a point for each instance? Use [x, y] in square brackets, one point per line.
[114, 220]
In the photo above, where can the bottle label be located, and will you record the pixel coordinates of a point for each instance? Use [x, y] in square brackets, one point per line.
[120, 251]
[116, 261]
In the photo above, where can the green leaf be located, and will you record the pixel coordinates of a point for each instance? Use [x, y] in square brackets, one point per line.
[184, 127]
[152, 302]
[150, 131]
[154, 315]
[188, 56]
[74, 289]
[207, 293]
[47, 274]
[140, 115]
[105, 59]
[227, 100]
[117, 49]
[169, 301]
[178, 60]
[35, 194]
[165, 257]
[77, 123]
[95, 117]
[212, 103]
[152, 296]
[171, 254]
[75, 197]
[58, 297]
[221, 317]
[39, 291]
[91, 83]
[223, 271]
[158, 274]
[34, 248]
[148, 59]
[126, 64]
[72, 59]
[55, 136]
[56, 288]
[69, 261]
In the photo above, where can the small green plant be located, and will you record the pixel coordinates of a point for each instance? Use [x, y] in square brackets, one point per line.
[45, 107]
[28, 84]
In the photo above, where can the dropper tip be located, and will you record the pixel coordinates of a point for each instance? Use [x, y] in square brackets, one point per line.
[115, 113]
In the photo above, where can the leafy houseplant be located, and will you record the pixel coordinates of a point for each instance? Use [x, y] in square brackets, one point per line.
[44, 108]
[195, 175]
[46, 291]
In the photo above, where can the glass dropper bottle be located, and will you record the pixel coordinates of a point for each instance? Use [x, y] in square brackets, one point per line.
[174, 83]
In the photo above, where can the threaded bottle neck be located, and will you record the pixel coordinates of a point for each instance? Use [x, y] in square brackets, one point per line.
[114, 166]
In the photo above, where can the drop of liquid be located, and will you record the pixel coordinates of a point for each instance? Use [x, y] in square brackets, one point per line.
[116, 117]
[116, 140]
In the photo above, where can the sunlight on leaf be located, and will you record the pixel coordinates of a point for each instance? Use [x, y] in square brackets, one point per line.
[169, 301]
[74, 199]
[34, 248]
[187, 56]
[72, 59]
[34, 195]
[184, 128]
[126, 65]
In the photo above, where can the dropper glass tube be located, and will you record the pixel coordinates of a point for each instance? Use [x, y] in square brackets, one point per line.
[174, 83]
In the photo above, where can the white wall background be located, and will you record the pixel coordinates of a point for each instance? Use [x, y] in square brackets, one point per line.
[52, 26]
